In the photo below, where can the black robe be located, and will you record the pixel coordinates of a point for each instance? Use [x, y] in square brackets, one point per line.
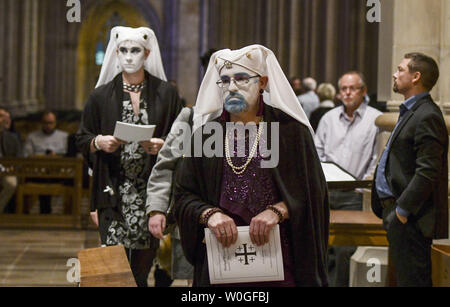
[102, 110]
[302, 186]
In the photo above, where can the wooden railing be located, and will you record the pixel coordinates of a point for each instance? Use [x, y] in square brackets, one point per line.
[55, 168]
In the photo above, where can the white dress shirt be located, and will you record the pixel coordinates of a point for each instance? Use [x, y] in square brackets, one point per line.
[349, 143]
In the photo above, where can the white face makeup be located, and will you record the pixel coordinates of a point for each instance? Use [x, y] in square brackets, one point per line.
[242, 91]
[131, 56]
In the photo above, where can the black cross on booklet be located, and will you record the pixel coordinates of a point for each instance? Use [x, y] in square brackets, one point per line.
[245, 253]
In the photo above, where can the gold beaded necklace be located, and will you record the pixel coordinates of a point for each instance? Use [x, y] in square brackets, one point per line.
[238, 170]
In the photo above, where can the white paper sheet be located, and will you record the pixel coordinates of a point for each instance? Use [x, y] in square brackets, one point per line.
[244, 261]
[334, 173]
[133, 133]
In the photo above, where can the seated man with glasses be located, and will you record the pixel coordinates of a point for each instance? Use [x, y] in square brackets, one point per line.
[347, 135]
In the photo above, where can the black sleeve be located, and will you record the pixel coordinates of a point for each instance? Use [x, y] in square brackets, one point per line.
[429, 144]
[89, 127]
[175, 108]
[188, 208]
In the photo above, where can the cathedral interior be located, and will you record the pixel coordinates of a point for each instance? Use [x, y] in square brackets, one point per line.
[52, 52]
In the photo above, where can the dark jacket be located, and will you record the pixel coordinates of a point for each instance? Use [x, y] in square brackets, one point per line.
[417, 169]
[102, 110]
[302, 186]
[10, 144]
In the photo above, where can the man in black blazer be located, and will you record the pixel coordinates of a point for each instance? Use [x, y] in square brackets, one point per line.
[410, 188]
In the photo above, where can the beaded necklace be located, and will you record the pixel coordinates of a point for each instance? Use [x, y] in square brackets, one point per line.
[136, 88]
[238, 170]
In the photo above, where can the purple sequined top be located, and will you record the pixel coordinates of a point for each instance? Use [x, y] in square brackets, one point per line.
[245, 196]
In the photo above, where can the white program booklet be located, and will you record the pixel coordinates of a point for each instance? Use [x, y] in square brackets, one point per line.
[334, 173]
[133, 133]
[244, 261]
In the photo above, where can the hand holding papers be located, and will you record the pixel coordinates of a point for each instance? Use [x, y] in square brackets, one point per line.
[244, 261]
[133, 133]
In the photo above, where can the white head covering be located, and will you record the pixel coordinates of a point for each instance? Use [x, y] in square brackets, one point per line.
[143, 36]
[260, 60]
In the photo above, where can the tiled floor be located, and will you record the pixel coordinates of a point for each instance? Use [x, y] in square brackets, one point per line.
[39, 257]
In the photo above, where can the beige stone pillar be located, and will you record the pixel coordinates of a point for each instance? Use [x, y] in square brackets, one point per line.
[2, 50]
[21, 65]
[12, 45]
[444, 64]
[29, 53]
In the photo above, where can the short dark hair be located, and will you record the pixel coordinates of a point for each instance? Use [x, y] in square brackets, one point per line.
[47, 112]
[204, 59]
[427, 67]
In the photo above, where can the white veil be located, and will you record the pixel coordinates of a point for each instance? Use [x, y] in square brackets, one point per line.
[261, 60]
[145, 37]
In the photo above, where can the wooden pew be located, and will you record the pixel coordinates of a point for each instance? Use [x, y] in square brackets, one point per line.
[356, 228]
[45, 167]
[105, 267]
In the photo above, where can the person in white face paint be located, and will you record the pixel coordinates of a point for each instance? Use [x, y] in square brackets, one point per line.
[132, 88]
[227, 190]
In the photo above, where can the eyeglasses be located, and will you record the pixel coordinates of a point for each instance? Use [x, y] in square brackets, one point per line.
[351, 88]
[239, 80]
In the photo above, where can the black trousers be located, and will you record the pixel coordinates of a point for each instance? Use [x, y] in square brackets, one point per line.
[140, 260]
[409, 251]
[339, 256]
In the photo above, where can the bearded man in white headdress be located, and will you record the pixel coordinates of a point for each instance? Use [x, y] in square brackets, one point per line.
[132, 88]
[222, 192]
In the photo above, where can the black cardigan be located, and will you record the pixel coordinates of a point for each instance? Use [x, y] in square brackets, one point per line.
[102, 110]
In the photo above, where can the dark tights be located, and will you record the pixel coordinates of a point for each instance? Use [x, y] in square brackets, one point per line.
[141, 263]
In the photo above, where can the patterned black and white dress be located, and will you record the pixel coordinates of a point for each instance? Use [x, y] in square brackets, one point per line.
[132, 230]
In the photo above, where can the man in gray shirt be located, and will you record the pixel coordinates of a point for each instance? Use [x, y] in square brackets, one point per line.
[159, 193]
[309, 100]
[48, 141]
[347, 135]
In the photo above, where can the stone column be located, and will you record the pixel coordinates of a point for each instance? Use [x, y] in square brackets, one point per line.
[444, 64]
[2, 51]
[20, 63]
[12, 58]
[29, 56]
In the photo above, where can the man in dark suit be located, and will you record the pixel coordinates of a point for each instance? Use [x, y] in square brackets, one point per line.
[410, 188]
